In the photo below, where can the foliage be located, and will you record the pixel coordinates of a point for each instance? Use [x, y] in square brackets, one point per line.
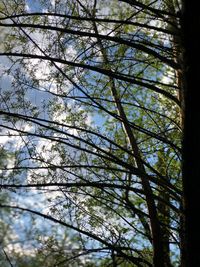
[91, 108]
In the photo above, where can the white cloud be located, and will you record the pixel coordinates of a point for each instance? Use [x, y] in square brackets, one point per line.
[27, 7]
[53, 2]
[168, 76]
[20, 249]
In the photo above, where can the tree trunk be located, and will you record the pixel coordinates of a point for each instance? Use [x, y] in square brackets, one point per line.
[164, 211]
[191, 139]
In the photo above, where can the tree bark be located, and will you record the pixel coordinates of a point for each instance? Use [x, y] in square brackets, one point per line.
[191, 138]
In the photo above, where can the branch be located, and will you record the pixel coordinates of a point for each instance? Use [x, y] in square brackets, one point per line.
[75, 184]
[106, 72]
[119, 40]
[7, 258]
[132, 259]
[90, 19]
[158, 12]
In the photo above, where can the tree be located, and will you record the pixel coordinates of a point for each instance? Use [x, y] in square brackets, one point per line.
[94, 96]
[191, 134]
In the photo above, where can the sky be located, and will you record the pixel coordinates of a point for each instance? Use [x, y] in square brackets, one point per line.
[39, 99]
[43, 147]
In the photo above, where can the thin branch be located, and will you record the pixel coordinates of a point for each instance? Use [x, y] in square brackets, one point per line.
[7, 258]
[138, 261]
[75, 184]
[90, 19]
[106, 72]
[118, 40]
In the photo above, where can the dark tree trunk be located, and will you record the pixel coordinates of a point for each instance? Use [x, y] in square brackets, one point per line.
[191, 139]
[163, 210]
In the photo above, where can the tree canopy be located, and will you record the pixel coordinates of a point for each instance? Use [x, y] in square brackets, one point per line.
[92, 117]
